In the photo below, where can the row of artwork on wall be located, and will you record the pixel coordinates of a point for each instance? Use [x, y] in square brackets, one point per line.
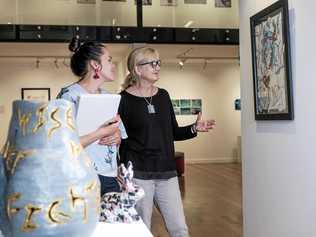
[218, 3]
[187, 106]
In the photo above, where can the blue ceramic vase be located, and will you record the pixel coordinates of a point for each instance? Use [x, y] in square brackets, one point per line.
[51, 188]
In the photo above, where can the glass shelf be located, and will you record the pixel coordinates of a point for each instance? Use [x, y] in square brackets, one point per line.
[192, 13]
[69, 12]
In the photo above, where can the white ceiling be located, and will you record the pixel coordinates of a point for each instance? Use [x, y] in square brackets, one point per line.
[167, 52]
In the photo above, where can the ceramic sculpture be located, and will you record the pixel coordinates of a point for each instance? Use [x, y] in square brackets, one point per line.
[52, 189]
[119, 207]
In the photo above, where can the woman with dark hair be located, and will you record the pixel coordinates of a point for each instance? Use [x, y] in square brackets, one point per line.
[152, 128]
[92, 63]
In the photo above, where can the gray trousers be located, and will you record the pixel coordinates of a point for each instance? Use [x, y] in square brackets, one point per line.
[166, 195]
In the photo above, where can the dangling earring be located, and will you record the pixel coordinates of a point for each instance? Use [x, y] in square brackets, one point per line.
[96, 74]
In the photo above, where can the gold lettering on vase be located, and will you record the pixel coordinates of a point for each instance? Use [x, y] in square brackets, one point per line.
[5, 150]
[55, 216]
[53, 116]
[24, 119]
[69, 119]
[87, 160]
[77, 199]
[20, 156]
[28, 224]
[98, 199]
[10, 157]
[76, 149]
[40, 118]
[93, 186]
[10, 200]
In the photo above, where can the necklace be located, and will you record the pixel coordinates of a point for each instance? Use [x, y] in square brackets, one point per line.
[150, 106]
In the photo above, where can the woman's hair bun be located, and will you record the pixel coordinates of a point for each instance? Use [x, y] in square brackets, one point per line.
[74, 45]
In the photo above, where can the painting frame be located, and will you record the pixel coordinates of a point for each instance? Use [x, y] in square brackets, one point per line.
[223, 3]
[271, 63]
[36, 93]
[170, 3]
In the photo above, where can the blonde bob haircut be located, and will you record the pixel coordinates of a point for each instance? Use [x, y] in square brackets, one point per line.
[136, 57]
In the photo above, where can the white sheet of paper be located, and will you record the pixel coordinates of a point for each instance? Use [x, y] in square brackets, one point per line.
[95, 110]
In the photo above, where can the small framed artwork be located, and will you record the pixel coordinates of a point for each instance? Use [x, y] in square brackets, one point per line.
[187, 106]
[223, 3]
[195, 1]
[237, 104]
[271, 63]
[168, 2]
[185, 103]
[38, 94]
[86, 1]
[145, 2]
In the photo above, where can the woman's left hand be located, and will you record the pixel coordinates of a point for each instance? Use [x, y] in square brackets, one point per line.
[204, 125]
[114, 139]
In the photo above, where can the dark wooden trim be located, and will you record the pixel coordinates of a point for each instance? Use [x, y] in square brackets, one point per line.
[139, 13]
[121, 34]
[35, 89]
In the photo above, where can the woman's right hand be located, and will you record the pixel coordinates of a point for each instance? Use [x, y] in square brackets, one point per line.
[109, 128]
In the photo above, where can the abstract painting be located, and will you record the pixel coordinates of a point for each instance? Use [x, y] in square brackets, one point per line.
[223, 3]
[271, 63]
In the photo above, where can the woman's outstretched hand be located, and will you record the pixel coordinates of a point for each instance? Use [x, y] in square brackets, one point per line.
[204, 125]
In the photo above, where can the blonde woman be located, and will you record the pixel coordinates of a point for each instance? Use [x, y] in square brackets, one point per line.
[152, 128]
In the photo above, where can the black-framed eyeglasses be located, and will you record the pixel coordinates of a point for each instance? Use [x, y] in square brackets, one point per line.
[153, 63]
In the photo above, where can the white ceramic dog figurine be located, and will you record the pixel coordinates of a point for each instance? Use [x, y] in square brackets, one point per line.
[120, 207]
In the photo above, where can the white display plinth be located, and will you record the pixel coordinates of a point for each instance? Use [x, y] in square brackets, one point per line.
[121, 230]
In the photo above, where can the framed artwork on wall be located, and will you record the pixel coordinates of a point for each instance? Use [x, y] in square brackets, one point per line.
[145, 2]
[223, 3]
[38, 94]
[86, 1]
[186, 106]
[168, 2]
[271, 63]
[195, 1]
[237, 104]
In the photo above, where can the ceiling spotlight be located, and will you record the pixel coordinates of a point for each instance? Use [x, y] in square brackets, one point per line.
[56, 63]
[188, 24]
[205, 64]
[37, 63]
[182, 61]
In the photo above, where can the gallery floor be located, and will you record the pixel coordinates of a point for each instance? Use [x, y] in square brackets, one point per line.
[212, 201]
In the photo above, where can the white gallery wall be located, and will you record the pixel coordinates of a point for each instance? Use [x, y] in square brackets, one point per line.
[279, 188]
[217, 85]
[23, 73]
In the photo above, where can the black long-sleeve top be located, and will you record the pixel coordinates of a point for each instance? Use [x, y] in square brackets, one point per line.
[150, 142]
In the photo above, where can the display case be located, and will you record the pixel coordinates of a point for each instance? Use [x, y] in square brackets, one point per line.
[69, 12]
[192, 13]
[120, 21]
